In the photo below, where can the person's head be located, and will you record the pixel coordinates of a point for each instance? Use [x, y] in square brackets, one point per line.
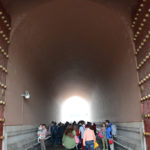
[82, 122]
[87, 126]
[69, 131]
[75, 127]
[107, 122]
[79, 124]
[52, 123]
[40, 127]
[69, 126]
[103, 124]
[67, 123]
[44, 126]
[74, 123]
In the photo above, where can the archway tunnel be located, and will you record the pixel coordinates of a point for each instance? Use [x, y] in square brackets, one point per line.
[71, 49]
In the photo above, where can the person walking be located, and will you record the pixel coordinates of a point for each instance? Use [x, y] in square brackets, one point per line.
[76, 129]
[82, 129]
[89, 138]
[69, 138]
[109, 134]
[54, 134]
[42, 136]
[102, 135]
[39, 133]
[60, 133]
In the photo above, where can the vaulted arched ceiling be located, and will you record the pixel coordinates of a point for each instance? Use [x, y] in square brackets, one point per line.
[59, 36]
[76, 47]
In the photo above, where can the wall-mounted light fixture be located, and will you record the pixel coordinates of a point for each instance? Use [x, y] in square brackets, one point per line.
[26, 95]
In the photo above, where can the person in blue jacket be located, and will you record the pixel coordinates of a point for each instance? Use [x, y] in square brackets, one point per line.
[108, 129]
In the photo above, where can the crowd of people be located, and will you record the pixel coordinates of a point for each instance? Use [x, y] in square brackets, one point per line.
[76, 136]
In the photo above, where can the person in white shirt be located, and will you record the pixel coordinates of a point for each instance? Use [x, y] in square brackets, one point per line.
[82, 129]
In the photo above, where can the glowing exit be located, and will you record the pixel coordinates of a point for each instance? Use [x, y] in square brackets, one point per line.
[74, 109]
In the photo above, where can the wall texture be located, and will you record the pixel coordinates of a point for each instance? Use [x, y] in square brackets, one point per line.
[20, 137]
[22, 77]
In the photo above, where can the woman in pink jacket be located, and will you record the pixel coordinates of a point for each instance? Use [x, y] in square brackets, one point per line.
[89, 138]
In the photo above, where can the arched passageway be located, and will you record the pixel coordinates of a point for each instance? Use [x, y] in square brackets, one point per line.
[61, 49]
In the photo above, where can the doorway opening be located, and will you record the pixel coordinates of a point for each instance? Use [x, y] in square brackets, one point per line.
[75, 108]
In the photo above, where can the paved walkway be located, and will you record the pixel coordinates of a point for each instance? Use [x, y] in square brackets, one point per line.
[61, 148]
[55, 148]
[50, 147]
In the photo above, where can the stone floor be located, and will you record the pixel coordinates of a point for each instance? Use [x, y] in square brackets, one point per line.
[55, 148]
[50, 147]
[62, 148]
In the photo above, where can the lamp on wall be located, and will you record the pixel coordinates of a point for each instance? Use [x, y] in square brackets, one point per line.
[26, 95]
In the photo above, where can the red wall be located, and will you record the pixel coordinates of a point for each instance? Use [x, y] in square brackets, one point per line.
[141, 36]
[5, 27]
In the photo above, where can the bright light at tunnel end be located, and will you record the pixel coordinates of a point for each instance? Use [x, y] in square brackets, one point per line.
[75, 108]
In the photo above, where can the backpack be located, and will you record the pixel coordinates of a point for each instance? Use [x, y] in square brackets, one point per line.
[54, 130]
[100, 135]
[114, 130]
[76, 139]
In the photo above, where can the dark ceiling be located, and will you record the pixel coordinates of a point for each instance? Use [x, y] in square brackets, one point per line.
[20, 6]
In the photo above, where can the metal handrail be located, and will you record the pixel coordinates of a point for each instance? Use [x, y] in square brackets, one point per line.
[48, 137]
[127, 148]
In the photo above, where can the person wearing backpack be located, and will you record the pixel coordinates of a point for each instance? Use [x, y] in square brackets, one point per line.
[60, 133]
[114, 130]
[114, 133]
[102, 135]
[54, 134]
[110, 131]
